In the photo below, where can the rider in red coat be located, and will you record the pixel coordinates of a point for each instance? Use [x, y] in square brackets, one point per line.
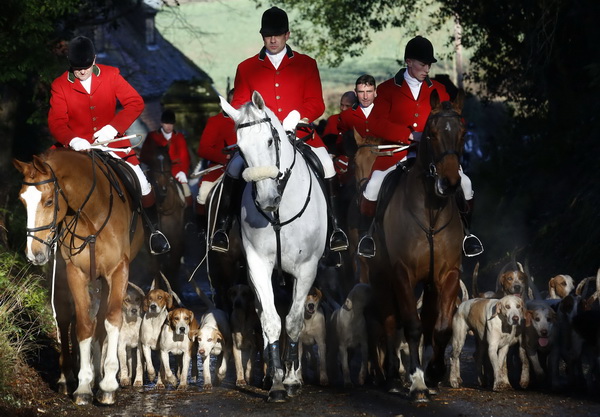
[290, 84]
[401, 110]
[218, 134]
[178, 153]
[82, 111]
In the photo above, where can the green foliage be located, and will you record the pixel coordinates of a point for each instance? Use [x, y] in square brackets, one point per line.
[24, 315]
[28, 35]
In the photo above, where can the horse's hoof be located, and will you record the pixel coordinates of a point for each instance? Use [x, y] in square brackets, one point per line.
[138, 384]
[240, 383]
[279, 396]
[434, 373]
[419, 397]
[105, 397]
[125, 382]
[63, 389]
[293, 390]
[207, 387]
[267, 383]
[82, 399]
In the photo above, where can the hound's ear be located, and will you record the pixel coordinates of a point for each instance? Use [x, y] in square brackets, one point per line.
[347, 304]
[495, 309]
[191, 316]
[170, 315]
[218, 336]
[319, 293]
[528, 318]
[145, 304]
[193, 334]
[169, 301]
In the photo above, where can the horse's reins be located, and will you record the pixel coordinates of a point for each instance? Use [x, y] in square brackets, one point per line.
[282, 179]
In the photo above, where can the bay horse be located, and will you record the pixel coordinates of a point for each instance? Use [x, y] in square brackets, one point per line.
[75, 201]
[170, 205]
[419, 244]
[283, 225]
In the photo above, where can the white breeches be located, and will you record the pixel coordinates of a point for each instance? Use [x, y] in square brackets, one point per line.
[374, 185]
[144, 184]
[465, 184]
[236, 164]
[186, 189]
[372, 189]
[205, 188]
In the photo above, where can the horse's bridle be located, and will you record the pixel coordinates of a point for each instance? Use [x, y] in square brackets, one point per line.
[434, 159]
[54, 237]
[281, 179]
[53, 226]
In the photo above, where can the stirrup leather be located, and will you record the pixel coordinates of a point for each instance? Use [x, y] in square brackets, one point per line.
[477, 245]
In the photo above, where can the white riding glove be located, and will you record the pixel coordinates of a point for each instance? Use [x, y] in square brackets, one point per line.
[291, 120]
[181, 177]
[105, 134]
[80, 144]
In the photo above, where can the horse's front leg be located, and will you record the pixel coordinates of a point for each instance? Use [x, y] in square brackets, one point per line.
[78, 284]
[412, 331]
[293, 325]
[259, 274]
[439, 306]
[117, 284]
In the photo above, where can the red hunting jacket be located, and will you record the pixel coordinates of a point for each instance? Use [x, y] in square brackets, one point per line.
[396, 113]
[75, 113]
[218, 133]
[295, 85]
[178, 151]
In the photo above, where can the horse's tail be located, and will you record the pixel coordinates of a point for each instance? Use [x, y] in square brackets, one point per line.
[203, 297]
[474, 287]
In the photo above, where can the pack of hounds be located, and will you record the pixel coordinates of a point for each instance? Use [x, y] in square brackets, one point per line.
[548, 339]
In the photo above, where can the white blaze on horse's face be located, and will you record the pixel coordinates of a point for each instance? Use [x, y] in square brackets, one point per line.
[31, 199]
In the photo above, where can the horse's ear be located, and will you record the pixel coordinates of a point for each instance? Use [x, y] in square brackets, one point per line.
[350, 145]
[258, 100]
[228, 108]
[22, 167]
[39, 165]
[358, 138]
[434, 100]
[459, 101]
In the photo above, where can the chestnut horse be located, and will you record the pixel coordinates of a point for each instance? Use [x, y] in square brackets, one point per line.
[418, 235]
[73, 200]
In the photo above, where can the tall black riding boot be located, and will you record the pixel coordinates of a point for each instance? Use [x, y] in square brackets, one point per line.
[189, 216]
[157, 241]
[220, 240]
[366, 244]
[472, 246]
[338, 240]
